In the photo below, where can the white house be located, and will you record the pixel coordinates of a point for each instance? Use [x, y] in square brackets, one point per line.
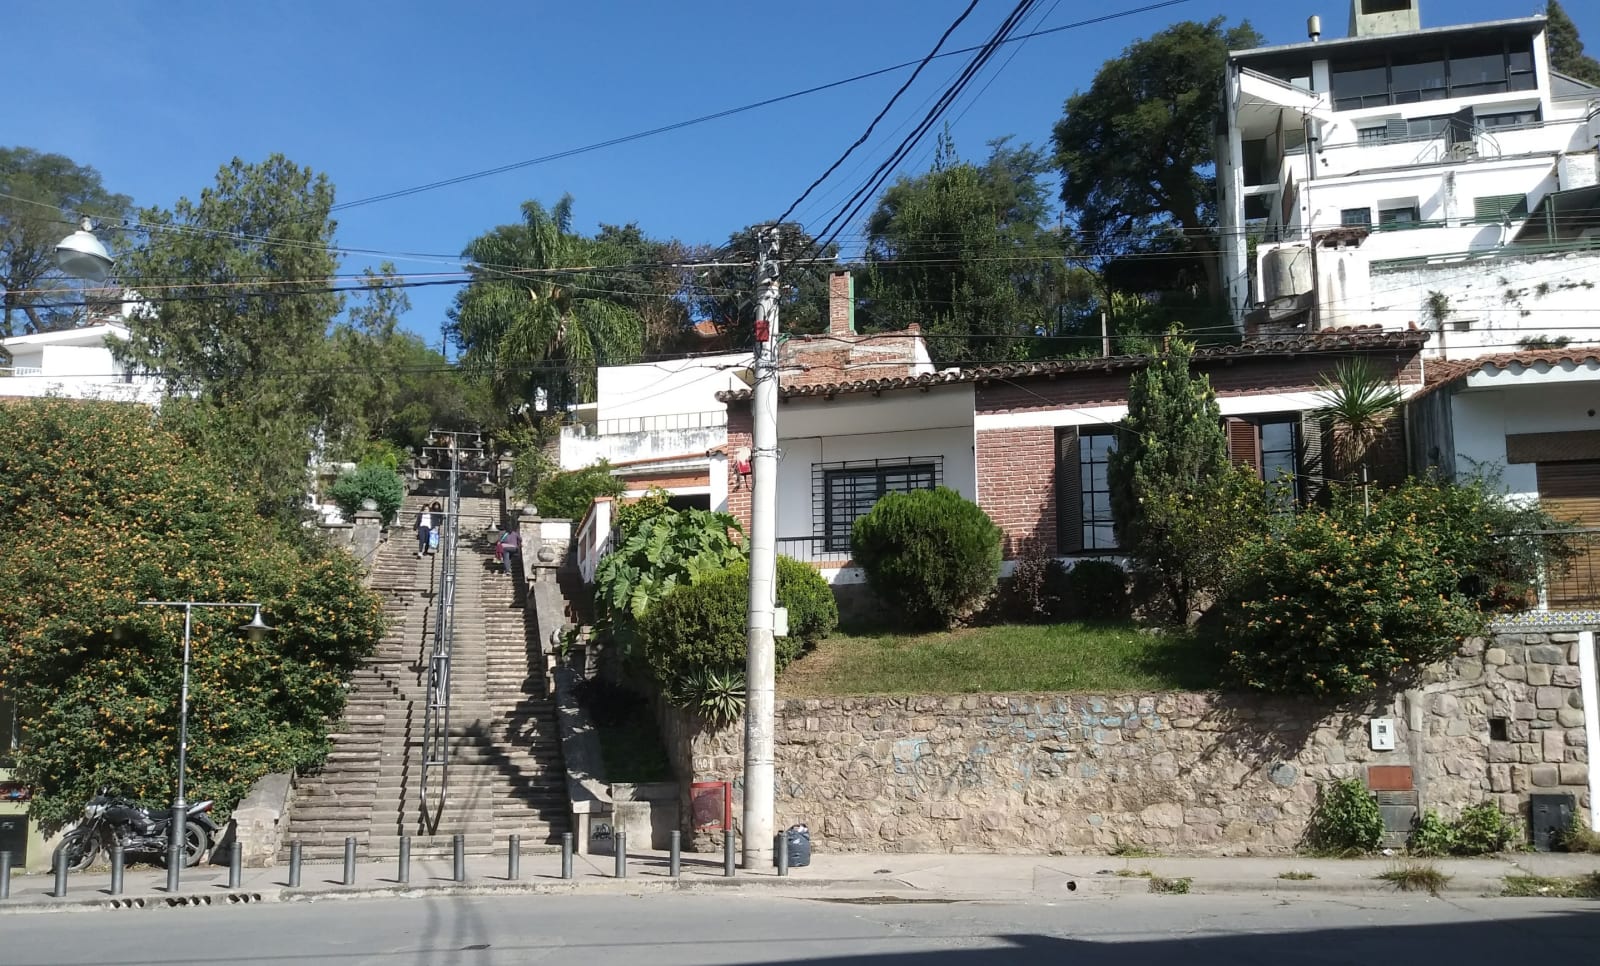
[74, 363]
[1445, 178]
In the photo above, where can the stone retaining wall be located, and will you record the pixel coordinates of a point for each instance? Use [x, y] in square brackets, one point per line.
[1181, 772]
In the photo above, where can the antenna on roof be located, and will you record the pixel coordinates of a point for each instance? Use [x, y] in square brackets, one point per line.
[1314, 28]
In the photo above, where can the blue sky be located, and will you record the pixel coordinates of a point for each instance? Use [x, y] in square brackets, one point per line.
[383, 96]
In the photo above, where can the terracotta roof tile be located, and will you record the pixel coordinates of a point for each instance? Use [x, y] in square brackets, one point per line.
[1368, 338]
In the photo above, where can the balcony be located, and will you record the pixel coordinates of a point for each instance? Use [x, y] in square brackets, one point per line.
[639, 438]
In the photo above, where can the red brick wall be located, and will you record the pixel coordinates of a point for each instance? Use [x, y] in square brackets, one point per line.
[1017, 485]
[741, 432]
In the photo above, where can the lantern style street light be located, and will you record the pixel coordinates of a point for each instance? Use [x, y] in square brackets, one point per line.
[82, 255]
[176, 830]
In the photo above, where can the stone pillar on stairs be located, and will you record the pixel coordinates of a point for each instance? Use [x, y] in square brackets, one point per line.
[365, 538]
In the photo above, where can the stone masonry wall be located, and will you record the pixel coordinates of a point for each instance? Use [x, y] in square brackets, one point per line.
[1182, 772]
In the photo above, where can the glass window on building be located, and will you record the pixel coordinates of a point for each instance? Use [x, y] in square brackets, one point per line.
[1399, 216]
[1418, 76]
[1094, 458]
[1356, 217]
[1280, 459]
[1477, 68]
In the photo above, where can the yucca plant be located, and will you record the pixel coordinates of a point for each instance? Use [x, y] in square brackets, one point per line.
[1358, 400]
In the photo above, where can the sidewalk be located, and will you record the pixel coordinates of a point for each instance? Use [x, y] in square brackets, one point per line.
[1012, 878]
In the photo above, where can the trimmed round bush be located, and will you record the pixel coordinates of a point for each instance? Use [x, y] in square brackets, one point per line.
[930, 554]
[373, 481]
[702, 626]
[1095, 590]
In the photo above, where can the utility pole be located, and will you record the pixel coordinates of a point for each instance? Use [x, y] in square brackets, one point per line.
[760, 666]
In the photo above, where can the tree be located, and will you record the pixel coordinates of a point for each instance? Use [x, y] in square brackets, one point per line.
[965, 251]
[725, 296]
[1566, 50]
[103, 512]
[244, 360]
[1178, 504]
[45, 190]
[1136, 152]
[537, 315]
[1360, 403]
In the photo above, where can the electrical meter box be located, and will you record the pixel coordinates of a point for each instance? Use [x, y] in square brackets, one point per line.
[1382, 734]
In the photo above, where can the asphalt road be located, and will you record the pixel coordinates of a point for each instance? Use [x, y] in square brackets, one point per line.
[705, 930]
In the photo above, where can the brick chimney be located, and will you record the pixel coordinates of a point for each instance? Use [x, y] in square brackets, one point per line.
[841, 304]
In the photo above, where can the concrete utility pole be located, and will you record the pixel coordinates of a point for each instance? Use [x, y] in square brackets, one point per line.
[760, 667]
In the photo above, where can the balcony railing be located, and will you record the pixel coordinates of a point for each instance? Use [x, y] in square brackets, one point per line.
[814, 550]
[20, 371]
[1570, 568]
[666, 423]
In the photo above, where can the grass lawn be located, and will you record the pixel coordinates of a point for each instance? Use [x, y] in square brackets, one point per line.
[1021, 657]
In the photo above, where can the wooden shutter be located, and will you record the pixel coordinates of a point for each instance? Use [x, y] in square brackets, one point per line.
[1244, 444]
[1069, 492]
[1313, 469]
[1571, 491]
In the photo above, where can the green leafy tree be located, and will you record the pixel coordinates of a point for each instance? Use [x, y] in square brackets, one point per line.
[1360, 403]
[1178, 504]
[370, 481]
[724, 296]
[568, 494]
[1566, 49]
[105, 511]
[246, 366]
[535, 316]
[45, 192]
[1136, 150]
[964, 250]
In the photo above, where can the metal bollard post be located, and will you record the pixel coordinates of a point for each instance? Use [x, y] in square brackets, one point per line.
[780, 851]
[294, 864]
[349, 860]
[675, 859]
[177, 827]
[566, 855]
[620, 847]
[458, 846]
[60, 891]
[118, 863]
[5, 875]
[514, 859]
[235, 865]
[727, 853]
[404, 874]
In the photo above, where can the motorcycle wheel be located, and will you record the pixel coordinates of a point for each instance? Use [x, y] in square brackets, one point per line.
[78, 850]
[195, 843]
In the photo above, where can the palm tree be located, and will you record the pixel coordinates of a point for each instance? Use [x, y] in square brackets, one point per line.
[537, 314]
[1359, 402]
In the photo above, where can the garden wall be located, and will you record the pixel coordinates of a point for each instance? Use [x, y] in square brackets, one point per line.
[1181, 772]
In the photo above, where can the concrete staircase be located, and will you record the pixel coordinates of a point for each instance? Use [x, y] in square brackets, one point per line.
[505, 773]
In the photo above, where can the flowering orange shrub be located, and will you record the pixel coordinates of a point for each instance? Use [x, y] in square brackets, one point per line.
[104, 510]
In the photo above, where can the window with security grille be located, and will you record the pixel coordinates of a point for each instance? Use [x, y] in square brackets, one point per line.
[1497, 209]
[1356, 217]
[849, 490]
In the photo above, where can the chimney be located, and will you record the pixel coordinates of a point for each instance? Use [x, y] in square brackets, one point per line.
[841, 303]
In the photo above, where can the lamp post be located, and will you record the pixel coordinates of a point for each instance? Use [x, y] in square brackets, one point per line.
[179, 819]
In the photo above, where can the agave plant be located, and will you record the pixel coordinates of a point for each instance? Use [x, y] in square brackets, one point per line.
[716, 695]
[1359, 401]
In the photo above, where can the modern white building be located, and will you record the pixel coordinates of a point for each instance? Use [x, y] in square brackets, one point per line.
[75, 364]
[1444, 178]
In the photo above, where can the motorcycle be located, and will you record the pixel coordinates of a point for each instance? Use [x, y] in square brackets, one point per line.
[109, 821]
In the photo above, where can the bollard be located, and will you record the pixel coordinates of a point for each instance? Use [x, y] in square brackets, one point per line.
[404, 874]
[349, 860]
[235, 865]
[566, 855]
[514, 859]
[5, 875]
[675, 859]
[458, 846]
[294, 864]
[118, 863]
[60, 891]
[780, 847]
[620, 847]
[177, 829]
[727, 853]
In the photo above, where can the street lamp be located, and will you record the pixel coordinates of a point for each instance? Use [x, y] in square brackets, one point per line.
[82, 255]
[255, 630]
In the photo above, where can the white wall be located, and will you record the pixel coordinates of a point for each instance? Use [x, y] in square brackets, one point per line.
[1483, 419]
[578, 449]
[671, 386]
